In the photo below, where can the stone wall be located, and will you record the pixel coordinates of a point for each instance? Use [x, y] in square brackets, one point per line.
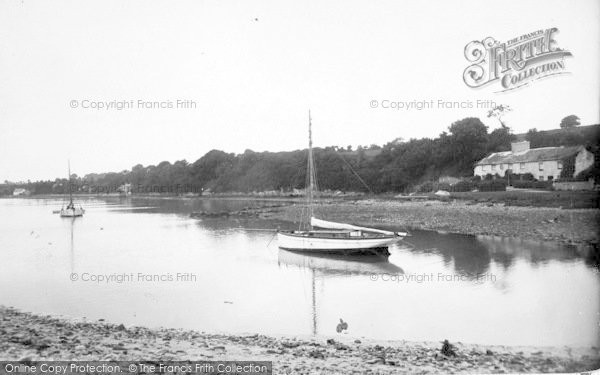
[574, 185]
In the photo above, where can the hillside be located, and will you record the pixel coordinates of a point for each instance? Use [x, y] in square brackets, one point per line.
[394, 167]
[589, 134]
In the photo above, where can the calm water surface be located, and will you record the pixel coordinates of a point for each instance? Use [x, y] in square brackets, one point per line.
[484, 289]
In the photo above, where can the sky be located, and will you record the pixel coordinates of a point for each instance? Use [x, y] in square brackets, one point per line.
[249, 71]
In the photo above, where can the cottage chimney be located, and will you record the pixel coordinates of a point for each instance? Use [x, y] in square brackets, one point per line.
[519, 146]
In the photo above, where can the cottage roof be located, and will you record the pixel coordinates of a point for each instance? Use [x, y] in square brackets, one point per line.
[531, 155]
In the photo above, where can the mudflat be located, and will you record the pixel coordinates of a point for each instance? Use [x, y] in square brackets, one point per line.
[577, 226]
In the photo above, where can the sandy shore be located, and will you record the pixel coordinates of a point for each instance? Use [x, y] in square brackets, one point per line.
[464, 217]
[25, 336]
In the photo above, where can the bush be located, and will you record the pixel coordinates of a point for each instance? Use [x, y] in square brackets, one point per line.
[432, 187]
[519, 177]
[568, 168]
[426, 187]
[462, 186]
[493, 185]
[522, 184]
[527, 177]
[591, 172]
[532, 184]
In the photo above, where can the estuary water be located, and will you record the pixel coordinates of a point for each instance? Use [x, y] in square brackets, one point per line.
[142, 261]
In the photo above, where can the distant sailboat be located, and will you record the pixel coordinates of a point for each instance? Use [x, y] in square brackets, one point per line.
[70, 210]
[338, 237]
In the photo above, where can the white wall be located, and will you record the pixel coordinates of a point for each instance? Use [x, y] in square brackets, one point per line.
[550, 168]
[584, 160]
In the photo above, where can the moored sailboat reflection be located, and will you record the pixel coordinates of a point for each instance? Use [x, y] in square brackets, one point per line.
[339, 265]
[324, 266]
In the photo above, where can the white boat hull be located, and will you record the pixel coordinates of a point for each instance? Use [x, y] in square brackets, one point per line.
[72, 212]
[299, 242]
[341, 238]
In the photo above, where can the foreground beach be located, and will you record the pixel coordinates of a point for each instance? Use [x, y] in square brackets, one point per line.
[25, 336]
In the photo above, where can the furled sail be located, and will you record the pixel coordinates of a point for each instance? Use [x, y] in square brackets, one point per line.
[333, 225]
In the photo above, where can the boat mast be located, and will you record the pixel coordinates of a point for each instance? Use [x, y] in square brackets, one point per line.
[70, 192]
[311, 168]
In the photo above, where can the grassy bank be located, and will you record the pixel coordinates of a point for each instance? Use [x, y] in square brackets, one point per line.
[538, 198]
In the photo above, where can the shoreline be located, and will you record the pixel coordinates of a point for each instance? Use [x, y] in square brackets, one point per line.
[27, 336]
[570, 226]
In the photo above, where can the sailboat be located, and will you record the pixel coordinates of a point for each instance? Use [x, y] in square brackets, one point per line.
[70, 210]
[333, 237]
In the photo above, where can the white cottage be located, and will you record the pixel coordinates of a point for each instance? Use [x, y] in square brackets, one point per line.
[20, 192]
[544, 163]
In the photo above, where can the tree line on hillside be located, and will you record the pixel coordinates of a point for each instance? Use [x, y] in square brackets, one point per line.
[397, 166]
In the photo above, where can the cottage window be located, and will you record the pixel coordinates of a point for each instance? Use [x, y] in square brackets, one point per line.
[541, 178]
[522, 165]
[493, 167]
[501, 166]
[559, 164]
[541, 166]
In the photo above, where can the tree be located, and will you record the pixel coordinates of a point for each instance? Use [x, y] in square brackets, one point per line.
[499, 140]
[499, 111]
[570, 122]
[397, 166]
[536, 139]
[211, 167]
[467, 144]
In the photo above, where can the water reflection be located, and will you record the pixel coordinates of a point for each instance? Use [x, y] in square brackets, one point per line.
[188, 206]
[473, 255]
[72, 242]
[505, 249]
[330, 265]
[327, 265]
[466, 254]
[545, 293]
